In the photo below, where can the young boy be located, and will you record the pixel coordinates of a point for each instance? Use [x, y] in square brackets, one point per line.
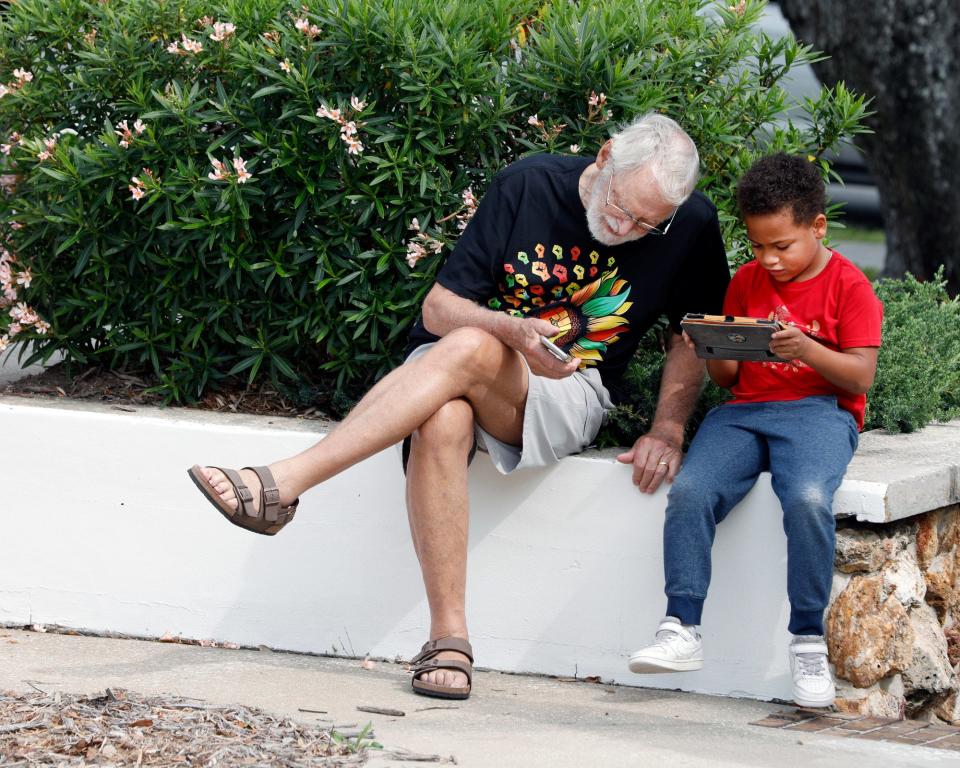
[800, 420]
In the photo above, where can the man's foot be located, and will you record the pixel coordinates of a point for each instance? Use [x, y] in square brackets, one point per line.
[261, 508]
[225, 490]
[812, 682]
[444, 668]
[449, 678]
[677, 648]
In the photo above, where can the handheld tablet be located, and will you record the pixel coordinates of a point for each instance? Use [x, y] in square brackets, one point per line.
[726, 337]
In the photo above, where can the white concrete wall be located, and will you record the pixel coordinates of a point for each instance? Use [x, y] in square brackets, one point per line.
[103, 530]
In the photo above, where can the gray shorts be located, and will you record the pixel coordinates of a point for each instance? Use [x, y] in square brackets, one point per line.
[561, 417]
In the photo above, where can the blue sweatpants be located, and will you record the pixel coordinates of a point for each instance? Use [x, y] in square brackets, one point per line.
[806, 445]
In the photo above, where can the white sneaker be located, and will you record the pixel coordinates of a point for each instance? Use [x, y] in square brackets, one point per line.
[677, 649]
[812, 682]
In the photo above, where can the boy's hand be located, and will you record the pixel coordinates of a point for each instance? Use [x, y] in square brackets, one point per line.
[791, 343]
[688, 341]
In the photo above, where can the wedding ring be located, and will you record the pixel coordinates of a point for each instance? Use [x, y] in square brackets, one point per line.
[663, 462]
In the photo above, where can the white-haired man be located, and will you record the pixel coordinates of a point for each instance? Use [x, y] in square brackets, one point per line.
[587, 252]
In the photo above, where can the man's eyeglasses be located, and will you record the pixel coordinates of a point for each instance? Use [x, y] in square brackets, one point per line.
[661, 229]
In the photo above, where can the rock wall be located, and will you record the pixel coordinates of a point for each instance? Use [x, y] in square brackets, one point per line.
[893, 626]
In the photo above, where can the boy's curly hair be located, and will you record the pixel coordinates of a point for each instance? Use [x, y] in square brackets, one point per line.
[781, 181]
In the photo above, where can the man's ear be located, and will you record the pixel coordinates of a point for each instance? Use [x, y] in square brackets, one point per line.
[604, 156]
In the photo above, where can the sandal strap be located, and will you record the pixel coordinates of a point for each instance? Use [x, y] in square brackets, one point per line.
[243, 493]
[269, 494]
[432, 647]
[449, 664]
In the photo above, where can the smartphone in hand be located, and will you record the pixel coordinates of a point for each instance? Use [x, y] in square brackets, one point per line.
[554, 350]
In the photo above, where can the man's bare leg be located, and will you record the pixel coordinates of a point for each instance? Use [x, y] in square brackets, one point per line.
[467, 363]
[438, 509]
[491, 381]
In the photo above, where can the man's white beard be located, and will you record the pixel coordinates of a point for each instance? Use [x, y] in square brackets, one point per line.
[597, 219]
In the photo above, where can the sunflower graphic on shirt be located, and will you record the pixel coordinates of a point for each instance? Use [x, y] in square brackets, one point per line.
[592, 317]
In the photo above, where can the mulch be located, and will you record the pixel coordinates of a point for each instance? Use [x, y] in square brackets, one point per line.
[121, 727]
[121, 388]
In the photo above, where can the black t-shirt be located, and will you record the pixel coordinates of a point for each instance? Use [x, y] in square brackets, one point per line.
[528, 251]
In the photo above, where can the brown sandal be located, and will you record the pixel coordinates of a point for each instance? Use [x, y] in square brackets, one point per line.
[271, 518]
[426, 661]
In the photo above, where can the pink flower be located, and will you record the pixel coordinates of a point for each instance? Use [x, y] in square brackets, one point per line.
[285, 66]
[4, 342]
[41, 326]
[139, 126]
[348, 129]
[90, 37]
[19, 311]
[174, 47]
[16, 225]
[354, 147]
[190, 46]
[219, 172]
[14, 140]
[23, 77]
[415, 252]
[24, 278]
[533, 120]
[138, 189]
[415, 224]
[14, 329]
[123, 131]
[29, 317]
[240, 166]
[3, 90]
[222, 30]
[596, 101]
[205, 21]
[356, 104]
[304, 26]
[575, 148]
[330, 114]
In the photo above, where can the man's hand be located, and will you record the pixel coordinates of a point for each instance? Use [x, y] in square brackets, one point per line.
[791, 343]
[655, 458]
[526, 340]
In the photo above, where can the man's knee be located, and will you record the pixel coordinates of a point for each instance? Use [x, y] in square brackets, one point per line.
[451, 427]
[470, 350]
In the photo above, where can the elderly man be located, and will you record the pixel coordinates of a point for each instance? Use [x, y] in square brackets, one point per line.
[588, 253]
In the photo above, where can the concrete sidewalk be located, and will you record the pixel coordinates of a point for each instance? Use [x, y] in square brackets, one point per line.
[511, 720]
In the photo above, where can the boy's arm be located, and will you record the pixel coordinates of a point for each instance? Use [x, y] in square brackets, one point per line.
[850, 369]
[723, 373]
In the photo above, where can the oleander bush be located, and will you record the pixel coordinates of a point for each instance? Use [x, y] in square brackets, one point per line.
[918, 371]
[265, 188]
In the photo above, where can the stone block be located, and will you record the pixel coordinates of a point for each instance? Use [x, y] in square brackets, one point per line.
[929, 672]
[952, 634]
[868, 632]
[902, 577]
[875, 704]
[928, 540]
[939, 577]
[860, 551]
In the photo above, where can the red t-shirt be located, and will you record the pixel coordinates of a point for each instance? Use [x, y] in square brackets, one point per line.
[838, 308]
